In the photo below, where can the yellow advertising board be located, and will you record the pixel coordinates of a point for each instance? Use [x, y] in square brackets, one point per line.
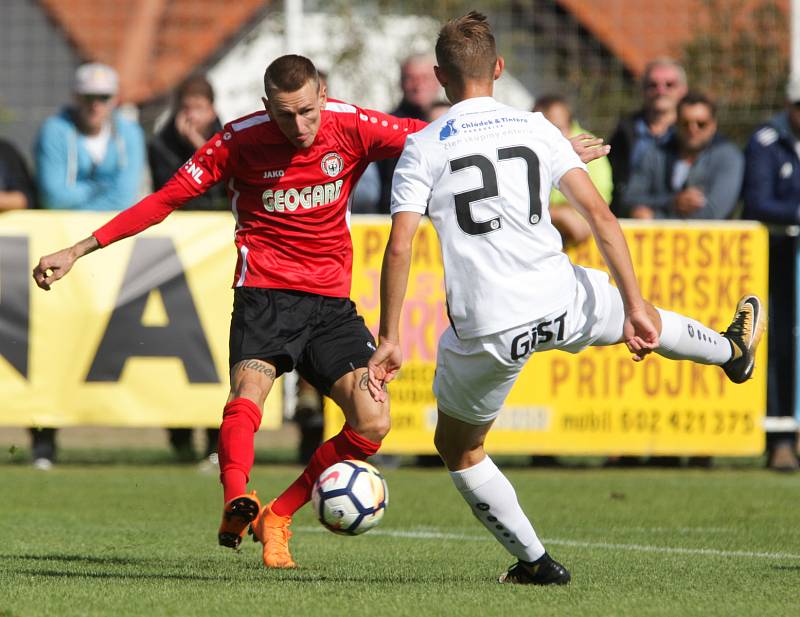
[135, 335]
[598, 401]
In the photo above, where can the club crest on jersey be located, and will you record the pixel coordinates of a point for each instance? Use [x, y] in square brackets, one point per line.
[332, 164]
[448, 130]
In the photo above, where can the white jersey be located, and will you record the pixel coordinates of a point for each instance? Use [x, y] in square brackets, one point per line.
[484, 172]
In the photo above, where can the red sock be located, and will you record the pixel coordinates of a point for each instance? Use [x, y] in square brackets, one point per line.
[240, 420]
[346, 445]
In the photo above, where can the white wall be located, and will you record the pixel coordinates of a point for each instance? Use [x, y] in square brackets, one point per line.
[361, 55]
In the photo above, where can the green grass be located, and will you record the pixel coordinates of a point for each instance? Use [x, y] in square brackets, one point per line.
[140, 540]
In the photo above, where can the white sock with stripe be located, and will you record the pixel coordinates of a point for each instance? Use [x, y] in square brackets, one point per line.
[494, 503]
[683, 338]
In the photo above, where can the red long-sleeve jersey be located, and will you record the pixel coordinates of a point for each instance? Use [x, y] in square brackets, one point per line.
[291, 206]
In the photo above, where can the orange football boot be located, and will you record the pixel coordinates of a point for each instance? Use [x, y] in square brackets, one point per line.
[237, 515]
[273, 532]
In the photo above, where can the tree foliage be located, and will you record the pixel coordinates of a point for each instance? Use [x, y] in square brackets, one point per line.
[738, 54]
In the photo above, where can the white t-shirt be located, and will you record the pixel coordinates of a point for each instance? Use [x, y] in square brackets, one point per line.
[97, 145]
[484, 172]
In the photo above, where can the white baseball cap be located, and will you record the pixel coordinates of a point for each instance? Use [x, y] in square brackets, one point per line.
[96, 78]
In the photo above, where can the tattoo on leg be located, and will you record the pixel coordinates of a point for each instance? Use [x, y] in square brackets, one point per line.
[362, 383]
[260, 367]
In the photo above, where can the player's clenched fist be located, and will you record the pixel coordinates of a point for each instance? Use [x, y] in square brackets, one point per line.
[53, 267]
[56, 265]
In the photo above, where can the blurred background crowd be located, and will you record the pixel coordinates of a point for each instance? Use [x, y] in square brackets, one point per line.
[101, 101]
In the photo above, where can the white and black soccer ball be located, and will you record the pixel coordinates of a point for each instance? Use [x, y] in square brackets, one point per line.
[350, 497]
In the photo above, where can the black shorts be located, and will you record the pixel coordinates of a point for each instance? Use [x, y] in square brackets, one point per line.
[323, 338]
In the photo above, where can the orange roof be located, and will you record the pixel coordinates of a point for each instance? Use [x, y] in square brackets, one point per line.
[153, 44]
[636, 32]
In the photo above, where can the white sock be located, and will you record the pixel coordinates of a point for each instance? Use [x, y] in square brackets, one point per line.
[494, 503]
[686, 339]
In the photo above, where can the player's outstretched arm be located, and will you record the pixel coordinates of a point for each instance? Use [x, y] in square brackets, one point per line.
[387, 359]
[640, 334]
[56, 265]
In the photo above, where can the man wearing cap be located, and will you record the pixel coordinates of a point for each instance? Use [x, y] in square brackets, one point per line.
[88, 157]
[772, 195]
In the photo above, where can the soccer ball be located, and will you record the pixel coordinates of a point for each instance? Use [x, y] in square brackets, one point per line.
[350, 497]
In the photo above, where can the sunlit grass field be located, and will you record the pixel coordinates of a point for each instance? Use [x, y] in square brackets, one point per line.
[92, 539]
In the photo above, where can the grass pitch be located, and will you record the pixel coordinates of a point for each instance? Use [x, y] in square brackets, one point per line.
[141, 540]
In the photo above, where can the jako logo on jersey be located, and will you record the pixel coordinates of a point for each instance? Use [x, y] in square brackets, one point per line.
[307, 197]
[332, 164]
[274, 173]
[194, 171]
[448, 130]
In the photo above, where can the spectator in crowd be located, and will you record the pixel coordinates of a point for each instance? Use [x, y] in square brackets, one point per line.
[191, 124]
[570, 224]
[88, 157]
[420, 91]
[663, 85]
[695, 174]
[193, 121]
[17, 190]
[772, 195]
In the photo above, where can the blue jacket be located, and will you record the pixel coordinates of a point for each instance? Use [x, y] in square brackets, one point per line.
[67, 177]
[772, 174]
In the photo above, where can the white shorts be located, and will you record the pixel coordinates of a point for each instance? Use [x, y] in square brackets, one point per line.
[474, 376]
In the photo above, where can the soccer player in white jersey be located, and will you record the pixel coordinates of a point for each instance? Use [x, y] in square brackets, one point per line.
[484, 172]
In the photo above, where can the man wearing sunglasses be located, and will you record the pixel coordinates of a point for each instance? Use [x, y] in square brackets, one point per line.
[696, 174]
[663, 85]
[88, 157]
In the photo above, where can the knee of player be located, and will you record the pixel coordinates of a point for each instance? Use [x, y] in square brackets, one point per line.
[444, 447]
[251, 391]
[375, 426]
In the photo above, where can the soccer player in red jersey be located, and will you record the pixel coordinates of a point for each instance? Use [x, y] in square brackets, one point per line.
[289, 172]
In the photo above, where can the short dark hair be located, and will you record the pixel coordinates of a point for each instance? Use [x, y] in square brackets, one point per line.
[698, 98]
[195, 85]
[546, 101]
[289, 73]
[466, 49]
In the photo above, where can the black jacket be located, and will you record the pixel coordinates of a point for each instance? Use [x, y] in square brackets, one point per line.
[167, 151]
[621, 143]
[14, 175]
